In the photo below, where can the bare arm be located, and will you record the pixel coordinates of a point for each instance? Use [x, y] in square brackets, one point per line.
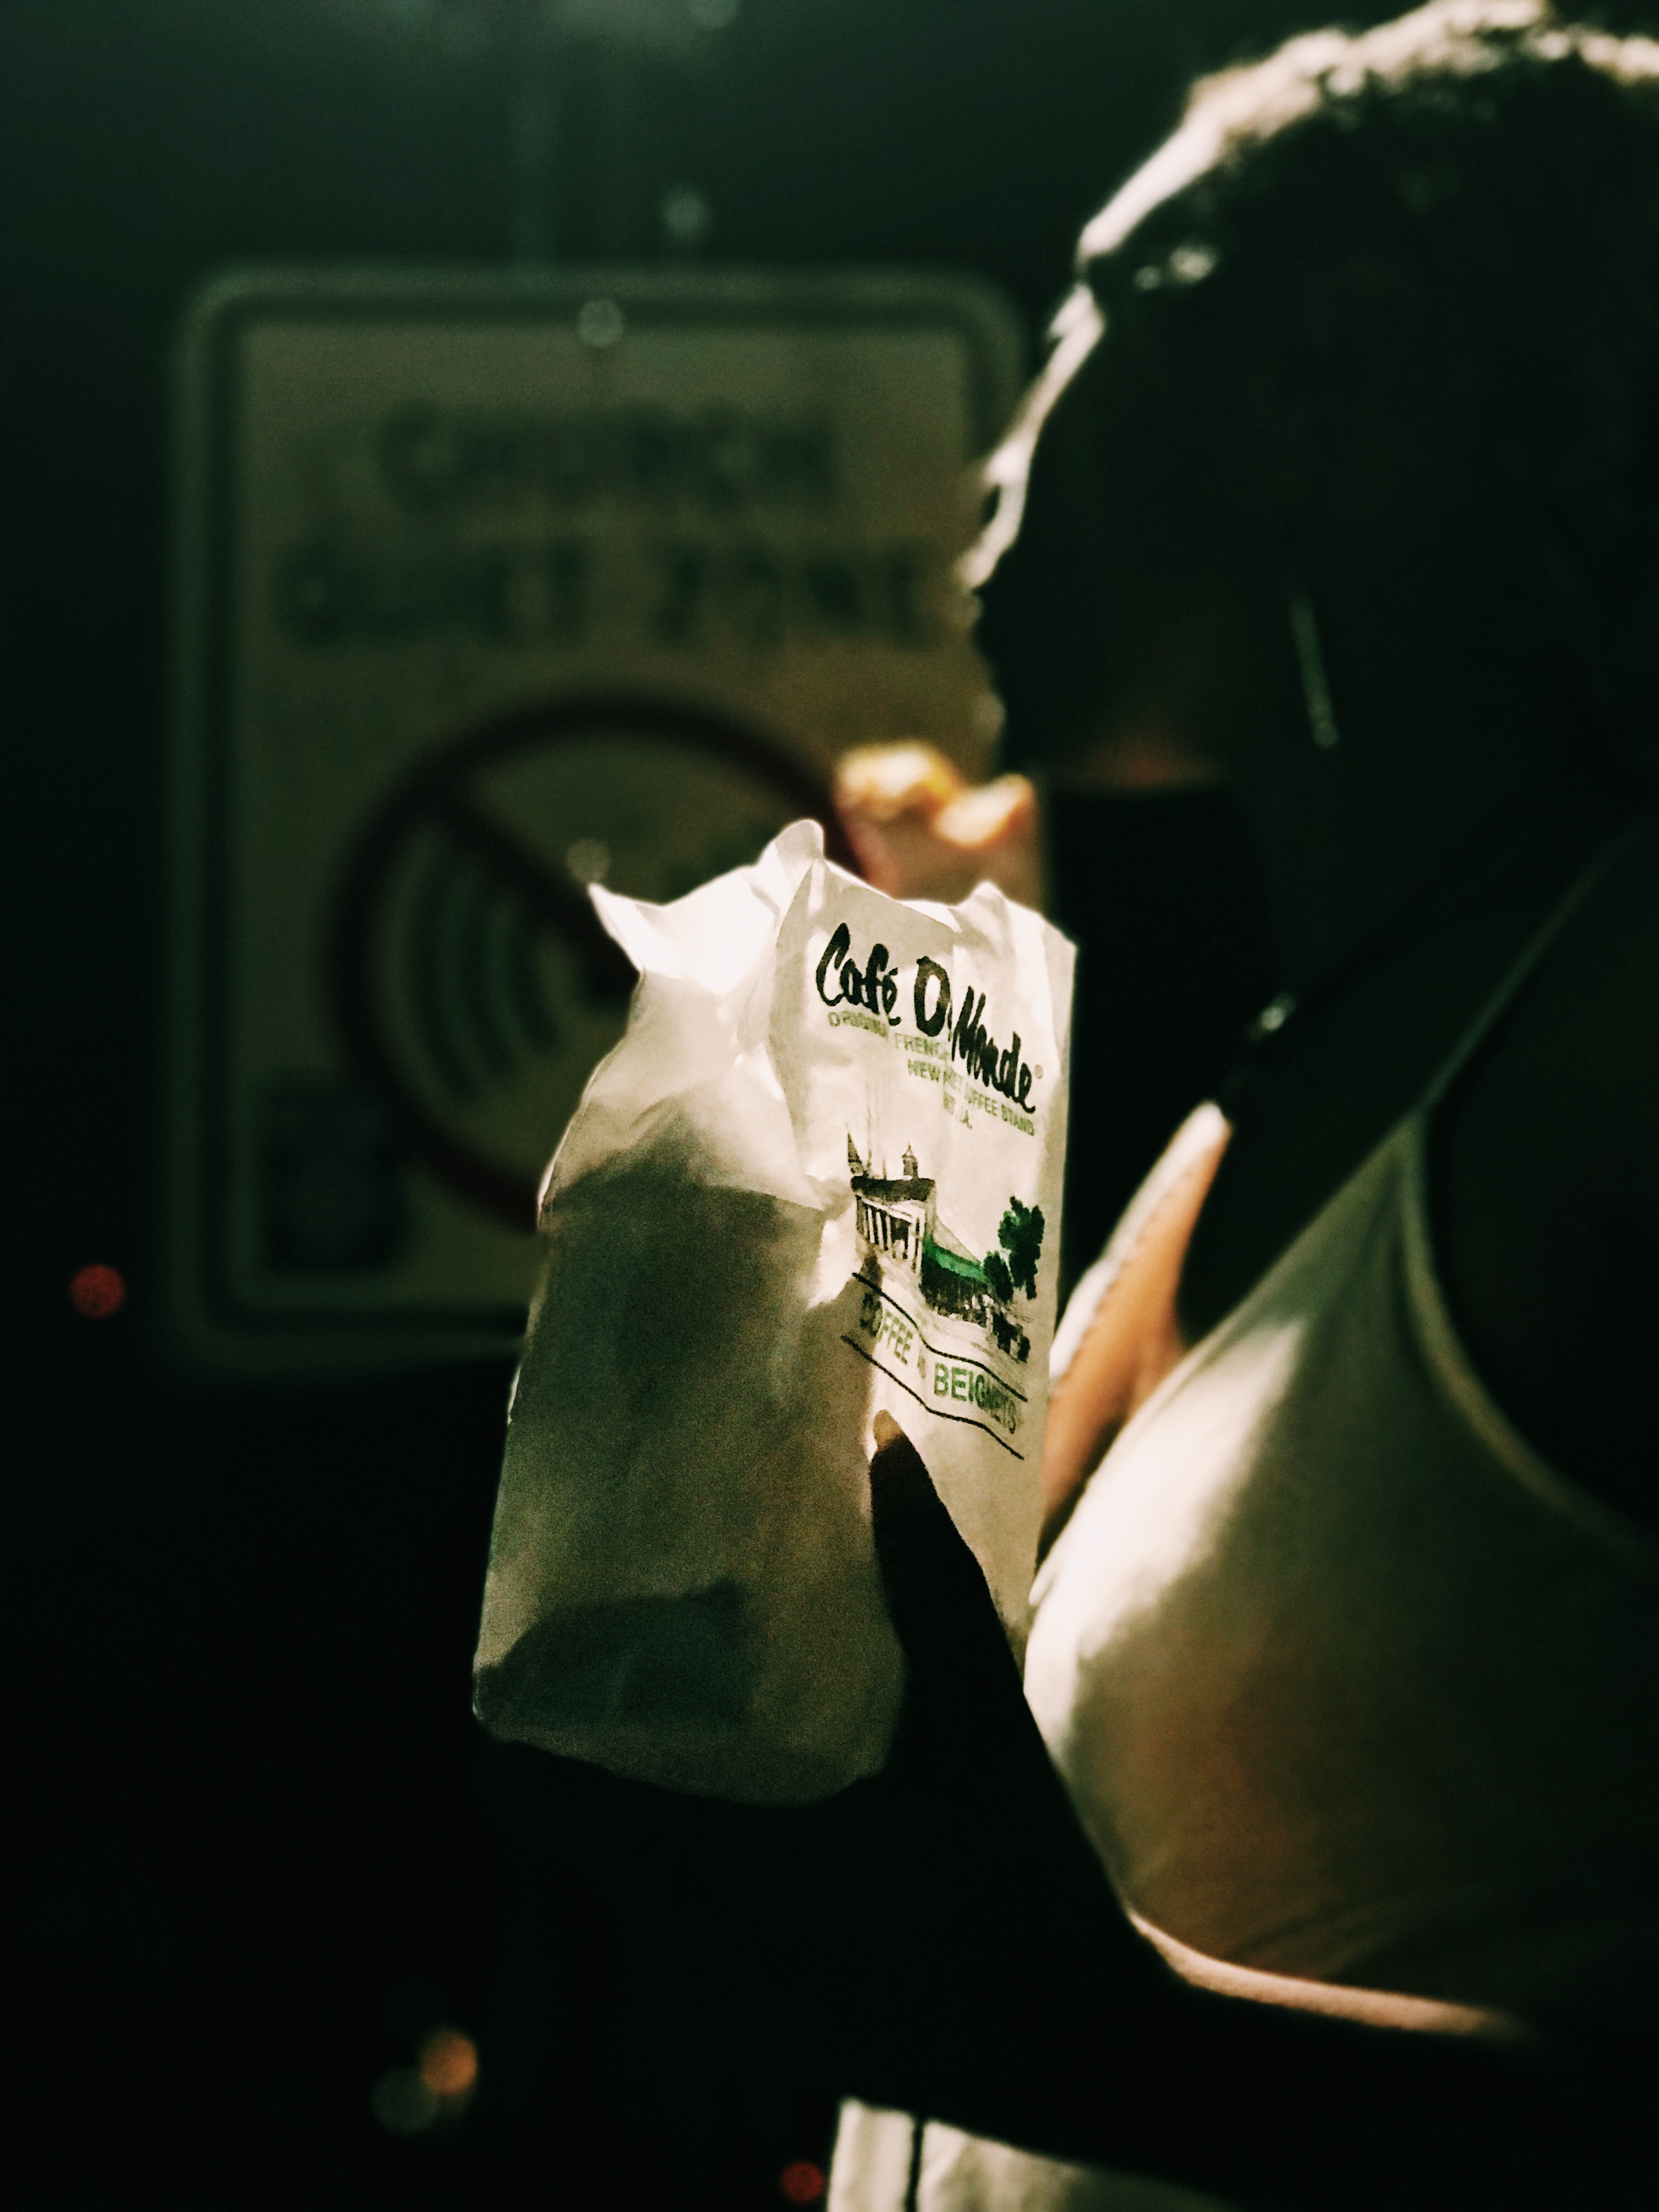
[999, 1986]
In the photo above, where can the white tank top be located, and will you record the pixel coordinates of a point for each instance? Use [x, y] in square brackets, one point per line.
[1344, 1681]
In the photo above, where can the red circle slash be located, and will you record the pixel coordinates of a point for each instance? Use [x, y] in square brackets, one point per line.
[96, 1293]
[437, 790]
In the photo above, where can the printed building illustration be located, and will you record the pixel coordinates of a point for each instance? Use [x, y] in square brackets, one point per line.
[898, 1223]
[894, 1216]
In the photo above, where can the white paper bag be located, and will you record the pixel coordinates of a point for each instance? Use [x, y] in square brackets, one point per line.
[819, 1176]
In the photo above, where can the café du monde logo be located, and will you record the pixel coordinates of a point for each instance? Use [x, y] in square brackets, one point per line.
[969, 1301]
[875, 988]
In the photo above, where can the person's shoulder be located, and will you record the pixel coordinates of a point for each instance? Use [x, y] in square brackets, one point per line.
[1548, 1212]
[1620, 922]
[1589, 1035]
[1570, 1069]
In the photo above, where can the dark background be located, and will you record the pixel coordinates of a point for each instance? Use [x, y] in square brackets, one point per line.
[268, 1847]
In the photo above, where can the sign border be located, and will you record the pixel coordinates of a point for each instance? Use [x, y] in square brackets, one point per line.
[207, 1319]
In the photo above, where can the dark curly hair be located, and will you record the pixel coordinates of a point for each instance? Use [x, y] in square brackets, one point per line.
[1448, 224]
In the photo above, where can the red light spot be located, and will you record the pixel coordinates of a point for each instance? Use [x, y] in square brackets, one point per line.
[448, 2063]
[802, 2182]
[97, 1292]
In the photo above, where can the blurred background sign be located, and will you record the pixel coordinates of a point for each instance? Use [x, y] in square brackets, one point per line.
[492, 587]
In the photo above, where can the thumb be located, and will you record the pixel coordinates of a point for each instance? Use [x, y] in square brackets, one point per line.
[967, 1738]
[963, 1674]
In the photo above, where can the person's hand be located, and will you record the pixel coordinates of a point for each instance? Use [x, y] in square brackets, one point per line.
[975, 1961]
[918, 830]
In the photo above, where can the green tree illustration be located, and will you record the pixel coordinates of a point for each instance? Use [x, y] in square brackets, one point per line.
[1020, 1235]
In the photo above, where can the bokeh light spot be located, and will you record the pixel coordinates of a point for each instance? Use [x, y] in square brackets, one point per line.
[687, 217]
[802, 2182]
[601, 325]
[403, 2104]
[438, 2086]
[97, 1292]
[589, 860]
[448, 2065]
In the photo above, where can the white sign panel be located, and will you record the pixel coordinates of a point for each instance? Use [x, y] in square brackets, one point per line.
[490, 588]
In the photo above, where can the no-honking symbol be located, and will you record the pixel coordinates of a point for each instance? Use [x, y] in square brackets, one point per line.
[469, 982]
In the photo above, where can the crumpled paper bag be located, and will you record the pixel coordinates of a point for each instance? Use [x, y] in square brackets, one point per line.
[819, 1177]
